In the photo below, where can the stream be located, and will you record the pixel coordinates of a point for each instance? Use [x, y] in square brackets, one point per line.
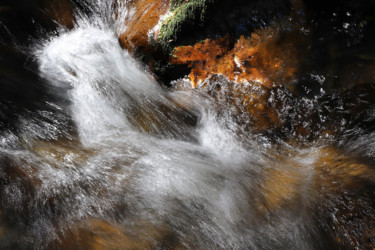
[110, 159]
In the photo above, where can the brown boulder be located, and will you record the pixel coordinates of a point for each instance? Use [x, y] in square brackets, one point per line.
[146, 15]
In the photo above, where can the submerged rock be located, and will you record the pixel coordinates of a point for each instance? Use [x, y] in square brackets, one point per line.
[348, 208]
[333, 184]
[279, 113]
[96, 234]
[249, 99]
[18, 186]
[62, 151]
[2, 230]
[247, 103]
[170, 121]
[102, 234]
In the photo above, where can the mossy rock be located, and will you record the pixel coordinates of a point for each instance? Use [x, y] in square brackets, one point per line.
[181, 13]
[189, 21]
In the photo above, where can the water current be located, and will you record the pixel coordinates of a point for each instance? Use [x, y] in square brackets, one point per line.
[115, 161]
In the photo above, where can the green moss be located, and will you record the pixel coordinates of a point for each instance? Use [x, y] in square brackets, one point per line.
[192, 12]
[177, 3]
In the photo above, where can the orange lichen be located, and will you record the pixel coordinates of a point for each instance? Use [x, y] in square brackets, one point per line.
[269, 56]
[146, 16]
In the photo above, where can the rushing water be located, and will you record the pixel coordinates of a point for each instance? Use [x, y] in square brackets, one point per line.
[114, 161]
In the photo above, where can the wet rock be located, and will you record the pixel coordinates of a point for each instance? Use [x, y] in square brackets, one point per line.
[101, 234]
[18, 185]
[154, 28]
[335, 185]
[62, 151]
[166, 118]
[143, 17]
[269, 56]
[248, 103]
[312, 48]
[96, 234]
[21, 180]
[190, 21]
[181, 12]
[346, 212]
[279, 112]
[281, 187]
[2, 230]
[145, 14]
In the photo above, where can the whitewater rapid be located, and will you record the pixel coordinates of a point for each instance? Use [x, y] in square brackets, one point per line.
[123, 150]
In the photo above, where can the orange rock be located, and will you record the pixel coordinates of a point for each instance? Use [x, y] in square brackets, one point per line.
[269, 56]
[146, 16]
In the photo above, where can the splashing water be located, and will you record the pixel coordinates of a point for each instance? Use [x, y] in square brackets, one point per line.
[138, 167]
